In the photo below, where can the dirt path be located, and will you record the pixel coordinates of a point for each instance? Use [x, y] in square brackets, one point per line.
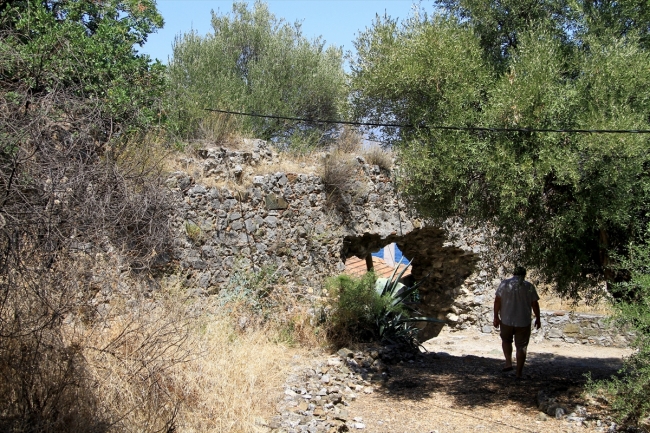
[459, 387]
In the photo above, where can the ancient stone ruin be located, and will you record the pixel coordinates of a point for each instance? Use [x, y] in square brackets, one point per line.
[283, 220]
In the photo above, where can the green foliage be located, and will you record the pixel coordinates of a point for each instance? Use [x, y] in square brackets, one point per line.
[369, 309]
[630, 393]
[86, 47]
[355, 307]
[250, 291]
[256, 62]
[194, 232]
[563, 203]
[395, 320]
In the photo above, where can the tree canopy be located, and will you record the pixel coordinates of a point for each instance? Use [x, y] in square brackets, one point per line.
[87, 48]
[563, 203]
[256, 62]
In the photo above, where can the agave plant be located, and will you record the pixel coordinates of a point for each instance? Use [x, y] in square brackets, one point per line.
[396, 319]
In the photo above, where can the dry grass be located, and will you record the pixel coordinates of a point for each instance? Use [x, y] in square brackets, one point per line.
[551, 302]
[375, 155]
[235, 379]
[189, 162]
[339, 174]
[163, 368]
[304, 164]
[220, 128]
[349, 141]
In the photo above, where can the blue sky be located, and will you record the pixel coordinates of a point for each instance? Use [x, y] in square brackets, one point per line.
[337, 21]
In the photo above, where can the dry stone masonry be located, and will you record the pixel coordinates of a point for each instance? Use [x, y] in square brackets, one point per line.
[283, 222]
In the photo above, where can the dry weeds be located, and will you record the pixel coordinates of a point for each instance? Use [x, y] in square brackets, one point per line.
[375, 155]
[552, 302]
[220, 128]
[349, 141]
[234, 380]
[163, 366]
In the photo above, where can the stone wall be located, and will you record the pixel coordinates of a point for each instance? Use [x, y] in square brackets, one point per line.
[283, 221]
[582, 328]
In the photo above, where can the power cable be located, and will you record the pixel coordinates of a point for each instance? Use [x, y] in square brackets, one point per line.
[436, 127]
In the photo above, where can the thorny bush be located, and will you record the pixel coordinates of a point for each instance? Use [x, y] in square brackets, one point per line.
[64, 202]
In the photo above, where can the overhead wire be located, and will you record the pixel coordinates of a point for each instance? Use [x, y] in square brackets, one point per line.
[435, 127]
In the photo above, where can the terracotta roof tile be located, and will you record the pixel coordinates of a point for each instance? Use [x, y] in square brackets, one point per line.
[357, 267]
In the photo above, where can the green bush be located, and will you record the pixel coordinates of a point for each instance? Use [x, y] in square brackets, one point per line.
[355, 307]
[370, 309]
[255, 62]
[629, 393]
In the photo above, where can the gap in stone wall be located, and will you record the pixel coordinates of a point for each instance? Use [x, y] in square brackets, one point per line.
[442, 266]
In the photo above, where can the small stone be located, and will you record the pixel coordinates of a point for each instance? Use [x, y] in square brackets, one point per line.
[342, 415]
[302, 407]
[453, 318]
[345, 353]
[542, 417]
[326, 378]
[368, 390]
[274, 202]
[359, 425]
[335, 398]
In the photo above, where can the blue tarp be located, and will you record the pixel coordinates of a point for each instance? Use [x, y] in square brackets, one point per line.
[398, 255]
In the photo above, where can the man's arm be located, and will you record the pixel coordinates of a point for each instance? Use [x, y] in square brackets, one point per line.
[538, 323]
[497, 310]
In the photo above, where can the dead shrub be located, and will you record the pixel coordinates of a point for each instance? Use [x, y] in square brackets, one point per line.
[375, 155]
[349, 141]
[69, 195]
[340, 179]
[220, 128]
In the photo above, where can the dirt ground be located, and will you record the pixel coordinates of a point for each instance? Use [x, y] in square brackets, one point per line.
[459, 387]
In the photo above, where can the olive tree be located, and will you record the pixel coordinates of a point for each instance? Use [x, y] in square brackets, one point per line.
[563, 203]
[255, 62]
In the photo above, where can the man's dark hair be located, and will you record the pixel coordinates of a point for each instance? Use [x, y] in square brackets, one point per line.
[519, 271]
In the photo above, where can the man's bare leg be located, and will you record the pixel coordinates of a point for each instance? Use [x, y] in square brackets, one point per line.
[521, 360]
[507, 352]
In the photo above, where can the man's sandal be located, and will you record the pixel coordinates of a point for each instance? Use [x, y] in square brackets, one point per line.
[504, 369]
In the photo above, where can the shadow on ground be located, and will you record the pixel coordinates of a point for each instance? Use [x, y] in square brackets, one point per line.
[473, 381]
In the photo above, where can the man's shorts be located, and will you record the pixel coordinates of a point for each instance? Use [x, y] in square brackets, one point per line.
[521, 335]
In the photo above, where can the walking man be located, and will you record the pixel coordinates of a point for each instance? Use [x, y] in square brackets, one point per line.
[514, 300]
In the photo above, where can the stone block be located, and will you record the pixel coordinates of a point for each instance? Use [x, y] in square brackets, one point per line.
[620, 341]
[590, 332]
[275, 202]
[571, 329]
